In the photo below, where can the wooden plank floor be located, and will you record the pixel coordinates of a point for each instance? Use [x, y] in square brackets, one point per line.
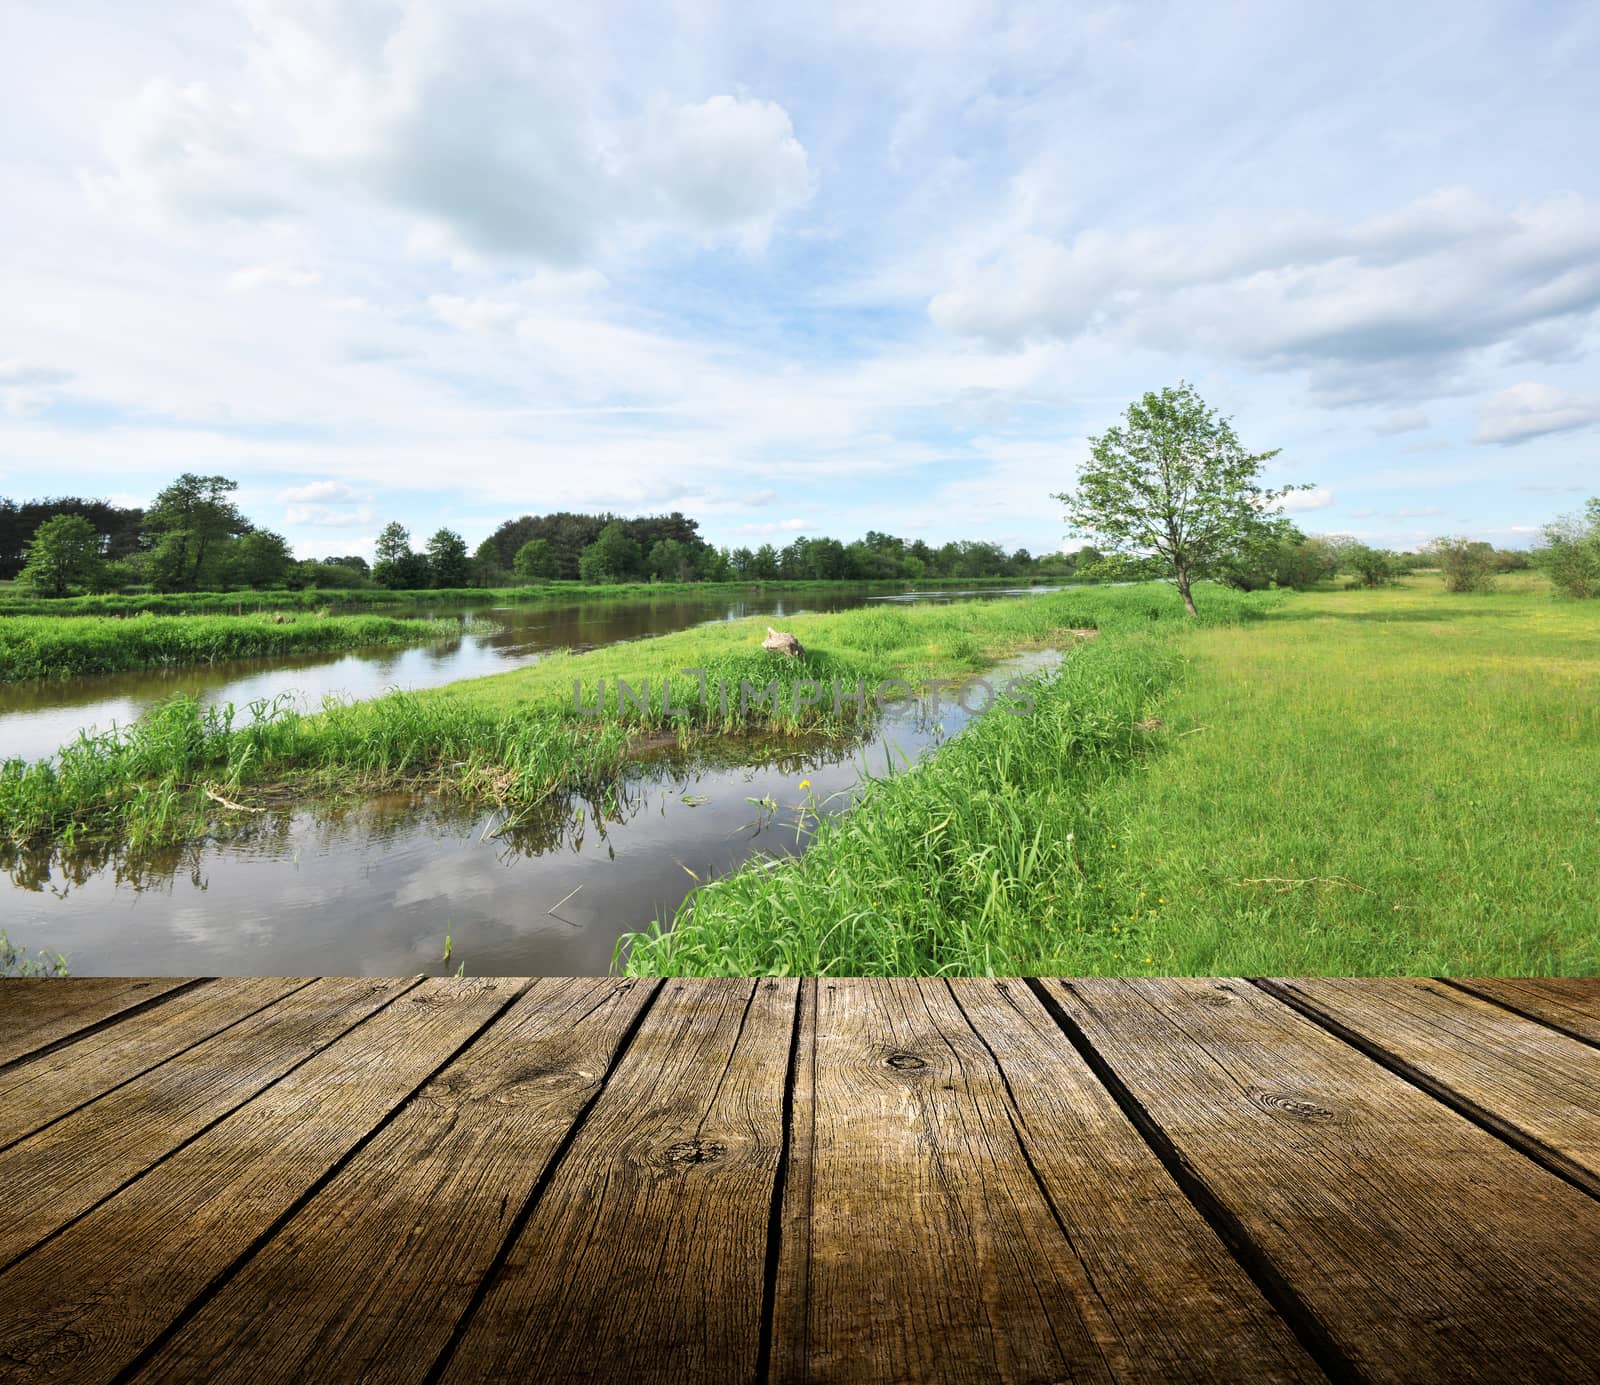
[505, 1179]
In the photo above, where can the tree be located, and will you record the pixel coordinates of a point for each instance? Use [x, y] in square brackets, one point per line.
[612, 557]
[447, 559]
[535, 561]
[391, 554]
[1467, 564]
[64, 552]
[1174, 481]
[1571, 555]
[671, 561]
[259, 559]
[193, 518]
[1279, 555]
[1376, 567]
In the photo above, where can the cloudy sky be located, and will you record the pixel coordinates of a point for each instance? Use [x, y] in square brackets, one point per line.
[795, 267]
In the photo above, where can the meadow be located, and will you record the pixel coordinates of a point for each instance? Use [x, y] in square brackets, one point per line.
[44, 647]
[1395, 781]
[515, 739]
[1389, 781]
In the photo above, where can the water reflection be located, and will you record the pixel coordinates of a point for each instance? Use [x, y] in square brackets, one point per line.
[372, 887]
[36, 719]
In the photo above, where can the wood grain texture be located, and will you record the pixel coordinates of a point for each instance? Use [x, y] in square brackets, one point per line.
[64, 1169]
[86, 1304]
[1428, 1249]
[979, 1209]
[644, 1257]
[1534, 1087]
[35, 1093]
[1571, 1003]
[370, 1277]
[38, 1011]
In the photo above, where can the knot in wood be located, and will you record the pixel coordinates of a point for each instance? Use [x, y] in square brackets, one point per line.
[1299, 1107]
[695, 1152]
[906, 1062]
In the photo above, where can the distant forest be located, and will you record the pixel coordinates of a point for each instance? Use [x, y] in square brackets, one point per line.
[192, 537]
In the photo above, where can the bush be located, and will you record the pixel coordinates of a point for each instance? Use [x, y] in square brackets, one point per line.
[1571, 555]
[1468, 565]
[1376, 567]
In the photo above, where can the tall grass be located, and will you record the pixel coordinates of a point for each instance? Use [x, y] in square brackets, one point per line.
[516, 738]
[33, 647]
[1394, 781]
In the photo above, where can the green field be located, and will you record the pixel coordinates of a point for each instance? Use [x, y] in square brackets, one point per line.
[1394, 781]
[1345, 782]
[33, 647]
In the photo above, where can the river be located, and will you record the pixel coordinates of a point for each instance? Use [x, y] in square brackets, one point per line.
[373, 889]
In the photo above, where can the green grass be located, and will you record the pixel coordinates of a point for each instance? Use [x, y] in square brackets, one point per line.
[1390, 782]
[515, 739]
[33, 647]
[13, 601]
[1397, 781]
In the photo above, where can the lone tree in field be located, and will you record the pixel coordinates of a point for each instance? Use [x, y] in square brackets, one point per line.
[1173, 481]
[64, 551]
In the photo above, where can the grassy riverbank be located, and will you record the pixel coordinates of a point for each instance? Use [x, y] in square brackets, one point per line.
[35, 647]
[1396, 781]
[516, 738]
[14, 602]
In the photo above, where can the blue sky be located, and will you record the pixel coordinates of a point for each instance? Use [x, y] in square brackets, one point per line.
[796, 268]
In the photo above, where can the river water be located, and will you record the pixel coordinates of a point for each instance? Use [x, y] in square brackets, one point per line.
[38, 718]
[374, 889]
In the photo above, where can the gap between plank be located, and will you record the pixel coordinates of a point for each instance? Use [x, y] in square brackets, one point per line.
[144, 1072]
[95, 1026]
[1014, 1119]
[1517, 1010]
[208, 1126]
[215, 1286]
[1308, 1329]
[536, 1193]
[769, 1276]
[1528, 1145]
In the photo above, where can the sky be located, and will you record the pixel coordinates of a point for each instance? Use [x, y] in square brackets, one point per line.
[796, 268]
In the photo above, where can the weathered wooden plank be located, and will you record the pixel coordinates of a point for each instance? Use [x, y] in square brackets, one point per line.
[644, 1257]
[1426, 1248]
[36, 1093]
[1571, 1003]
[61, 1171]
[1536, 1087]
[86, 1304]
[370, 1277]
[36, 1012]
[981, 1209]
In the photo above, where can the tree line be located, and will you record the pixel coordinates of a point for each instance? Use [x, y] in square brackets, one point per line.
[1177, 519]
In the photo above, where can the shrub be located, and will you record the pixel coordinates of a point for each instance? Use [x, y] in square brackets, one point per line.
[1571, 555]
[1467, 565]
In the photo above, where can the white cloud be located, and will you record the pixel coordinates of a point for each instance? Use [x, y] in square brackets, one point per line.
[718, 166]
[183, 150]
[321, 492]
[1530, 410]
[272, 276]
[492, 125]
[1372, 309]
[27, 390]
[1406, 422]
[327, 517]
